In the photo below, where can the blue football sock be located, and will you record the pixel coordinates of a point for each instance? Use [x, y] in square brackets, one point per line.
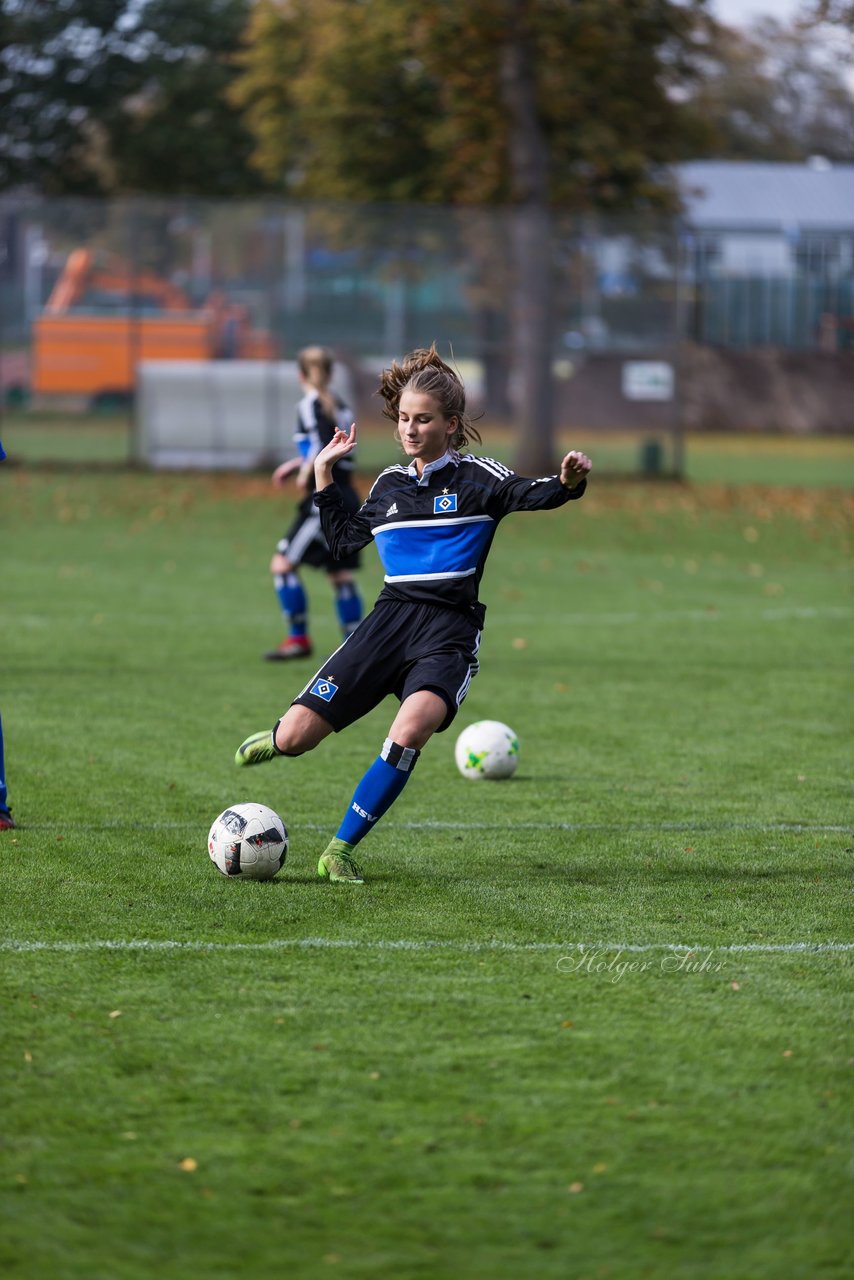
[378, 790]
[348, 605]
[3, 801]
[293, 600]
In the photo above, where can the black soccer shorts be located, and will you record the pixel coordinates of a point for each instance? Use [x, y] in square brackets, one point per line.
[400, 648]
[304, 542]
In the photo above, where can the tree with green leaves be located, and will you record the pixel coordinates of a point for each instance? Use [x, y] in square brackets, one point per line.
[394, 99]
[529, 104]
[101, 96]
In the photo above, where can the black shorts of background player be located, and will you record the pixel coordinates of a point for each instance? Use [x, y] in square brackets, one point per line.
[433, 521]
[320, 414]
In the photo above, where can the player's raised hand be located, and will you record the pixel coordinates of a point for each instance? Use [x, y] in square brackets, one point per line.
[574, 468]
[342, 443]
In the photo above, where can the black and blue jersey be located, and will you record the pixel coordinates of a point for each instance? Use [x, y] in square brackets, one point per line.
[303, 542]
[433, 533]
[315, 428]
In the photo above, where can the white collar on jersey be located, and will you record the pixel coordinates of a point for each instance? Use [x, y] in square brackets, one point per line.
[450, 455]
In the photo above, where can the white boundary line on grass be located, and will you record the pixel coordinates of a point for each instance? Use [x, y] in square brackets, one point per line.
[410, 944]
[430, 824]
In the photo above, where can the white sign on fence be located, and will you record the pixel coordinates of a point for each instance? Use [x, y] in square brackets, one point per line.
[648, 380]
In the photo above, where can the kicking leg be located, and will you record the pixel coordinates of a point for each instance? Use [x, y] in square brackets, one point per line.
[299, 730]
[419, 717]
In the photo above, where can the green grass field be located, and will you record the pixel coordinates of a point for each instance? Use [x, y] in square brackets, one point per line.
[50, 438]
[590, 1022]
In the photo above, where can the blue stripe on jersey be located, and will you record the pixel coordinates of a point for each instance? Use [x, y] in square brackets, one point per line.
[417, 549]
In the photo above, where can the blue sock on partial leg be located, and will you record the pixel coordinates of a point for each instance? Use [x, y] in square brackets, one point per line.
[3, 797]
[348, 606]
[293, 601]
[377, 791]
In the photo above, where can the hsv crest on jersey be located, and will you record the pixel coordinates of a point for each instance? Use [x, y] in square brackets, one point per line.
[324, 689]
[444, 504]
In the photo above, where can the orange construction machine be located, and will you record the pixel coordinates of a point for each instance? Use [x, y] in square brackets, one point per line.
[103, 317]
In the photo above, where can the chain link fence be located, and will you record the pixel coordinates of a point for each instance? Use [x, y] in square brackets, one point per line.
[93, 290]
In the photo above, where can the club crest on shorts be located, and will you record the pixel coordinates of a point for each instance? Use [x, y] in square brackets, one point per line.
[324, 689]
[445, 504]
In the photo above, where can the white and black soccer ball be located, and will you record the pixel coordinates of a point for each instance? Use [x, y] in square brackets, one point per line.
[487, 749]
[248, 842]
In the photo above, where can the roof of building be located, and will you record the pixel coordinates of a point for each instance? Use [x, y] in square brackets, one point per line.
[753, 195]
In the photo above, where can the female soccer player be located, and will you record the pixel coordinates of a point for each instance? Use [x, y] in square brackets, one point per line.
[320, 413]
[433, 522]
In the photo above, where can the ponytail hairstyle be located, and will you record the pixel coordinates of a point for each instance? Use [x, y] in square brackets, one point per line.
[425, 371]
[315, 365]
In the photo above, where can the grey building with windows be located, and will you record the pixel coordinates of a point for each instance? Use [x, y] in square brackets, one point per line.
[768, 253]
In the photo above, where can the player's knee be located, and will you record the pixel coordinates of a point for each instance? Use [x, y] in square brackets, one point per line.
[421, 715]
[289, 740]
[299, 730]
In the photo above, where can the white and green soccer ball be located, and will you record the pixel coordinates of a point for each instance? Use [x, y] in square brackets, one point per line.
[487, 749]
[248, 842]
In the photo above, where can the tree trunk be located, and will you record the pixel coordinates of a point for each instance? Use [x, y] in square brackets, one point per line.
[492, 346]
[532, 321]
[532, 341]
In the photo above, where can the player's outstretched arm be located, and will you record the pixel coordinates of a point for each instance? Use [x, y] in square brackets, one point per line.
[574, 468]
[342, 443]
[286, 469]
